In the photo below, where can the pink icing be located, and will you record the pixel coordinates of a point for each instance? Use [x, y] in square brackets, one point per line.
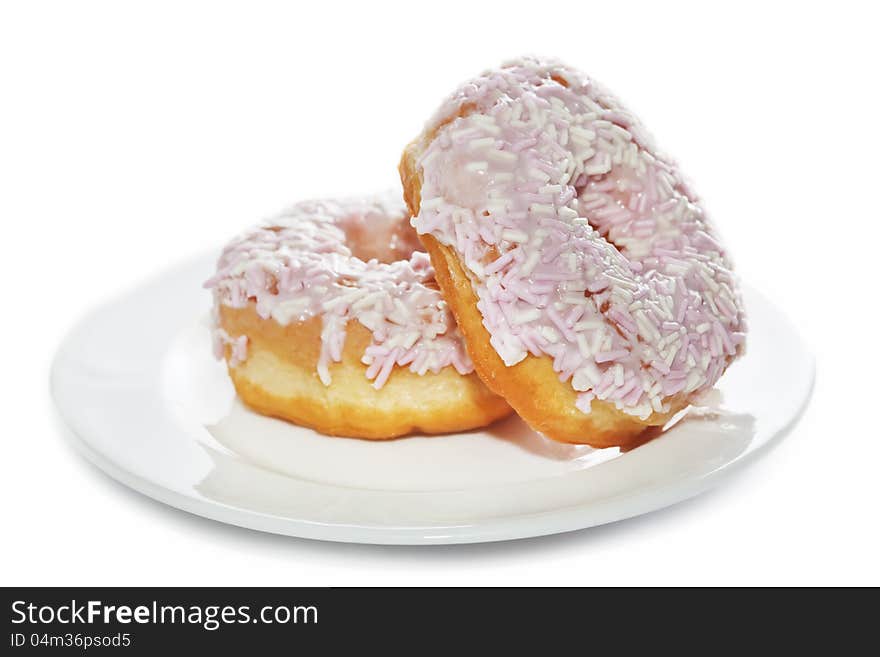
[238, 346]
[582, 241]
[301, 264]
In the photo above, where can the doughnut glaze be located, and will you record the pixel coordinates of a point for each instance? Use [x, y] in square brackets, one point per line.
[582, 242]
[302, 264]
[329, 316]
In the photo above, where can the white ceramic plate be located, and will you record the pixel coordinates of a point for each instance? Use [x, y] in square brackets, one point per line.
[148, 404]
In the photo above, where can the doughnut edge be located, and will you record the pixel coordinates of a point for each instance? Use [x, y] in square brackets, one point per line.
[439, 403]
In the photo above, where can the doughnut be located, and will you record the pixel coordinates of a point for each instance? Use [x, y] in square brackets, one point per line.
[329, 316]
[591, 289]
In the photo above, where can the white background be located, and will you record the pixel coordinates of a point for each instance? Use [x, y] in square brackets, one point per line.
[133, 135]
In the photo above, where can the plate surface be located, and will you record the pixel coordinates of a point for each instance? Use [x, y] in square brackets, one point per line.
[147, 403]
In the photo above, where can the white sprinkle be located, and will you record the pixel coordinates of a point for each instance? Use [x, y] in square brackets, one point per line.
[550, 334]
[324, 373]
[586, 154]
[622, 295]
[537, 174]
[496, 207]
[581, 135]
[657, 404]
[525, 316]
[485, 120]
[502, 157]
[533, 258]
[670, 355]
[334, 303]
[596, 342]
[512, 235]
[482, 142]
[597, 169]
[542, 209]
[588, 324]
[567, 214]
[586, 377]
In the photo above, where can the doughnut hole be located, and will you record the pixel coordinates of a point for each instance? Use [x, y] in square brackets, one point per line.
[376, 237]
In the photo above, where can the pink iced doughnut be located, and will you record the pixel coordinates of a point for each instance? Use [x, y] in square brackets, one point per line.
[328, 315]
[590, 286]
